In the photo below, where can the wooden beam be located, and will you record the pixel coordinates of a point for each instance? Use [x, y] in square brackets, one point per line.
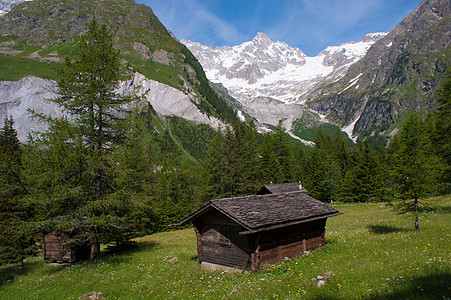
[288, 224]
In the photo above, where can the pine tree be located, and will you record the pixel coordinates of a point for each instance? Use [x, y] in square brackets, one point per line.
[232, 162]
[276, 162]
[16, 242]
[246, 143]
[269, 164]
[216, 165]
[439, 132]
[77, 189]
[11, 160]
[363, 181]
[323, 172]
[409, 174]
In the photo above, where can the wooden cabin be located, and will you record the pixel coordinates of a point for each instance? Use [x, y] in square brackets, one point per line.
[254, 231]
[281, 188]
[56, 248]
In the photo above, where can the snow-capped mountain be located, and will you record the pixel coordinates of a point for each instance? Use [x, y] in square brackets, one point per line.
[263, 68]
[7, 5]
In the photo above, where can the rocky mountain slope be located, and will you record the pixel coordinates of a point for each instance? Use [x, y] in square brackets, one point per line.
[398, 75]
[36, 35]
[270, 79]
[364, 87]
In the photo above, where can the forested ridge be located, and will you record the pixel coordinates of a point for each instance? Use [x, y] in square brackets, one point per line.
[110, 175]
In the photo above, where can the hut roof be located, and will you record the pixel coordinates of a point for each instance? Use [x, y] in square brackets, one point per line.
[281, 188]
[263, 212]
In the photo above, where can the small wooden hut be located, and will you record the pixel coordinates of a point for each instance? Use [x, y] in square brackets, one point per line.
[254, 231]
[56, 248]
[281, 188]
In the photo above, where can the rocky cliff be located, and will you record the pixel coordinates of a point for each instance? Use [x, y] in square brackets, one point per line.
[398, 74]
[17, 97]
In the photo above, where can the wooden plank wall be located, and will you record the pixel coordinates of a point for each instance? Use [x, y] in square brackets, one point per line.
[55, 249]
[219, 241]
[287, 243]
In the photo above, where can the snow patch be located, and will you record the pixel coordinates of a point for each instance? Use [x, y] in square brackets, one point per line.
[241, 116]
[350, 128]
[352, 82]
[305, 142]
[377, 34]
[7, 5]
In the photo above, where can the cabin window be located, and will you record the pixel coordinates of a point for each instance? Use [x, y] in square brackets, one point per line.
[224, 237]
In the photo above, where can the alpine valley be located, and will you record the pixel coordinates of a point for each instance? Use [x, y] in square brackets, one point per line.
[113, 131]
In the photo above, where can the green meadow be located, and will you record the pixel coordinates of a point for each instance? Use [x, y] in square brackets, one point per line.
[372, 252]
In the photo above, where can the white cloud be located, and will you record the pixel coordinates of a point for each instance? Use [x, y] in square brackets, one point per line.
[191, 18]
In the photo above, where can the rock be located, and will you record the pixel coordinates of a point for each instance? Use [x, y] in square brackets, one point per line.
[163, 57]
[91, 296]
[398, 74]
[30, 93]
[142, 50]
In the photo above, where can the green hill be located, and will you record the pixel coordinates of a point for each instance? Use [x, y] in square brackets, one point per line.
[36, 36]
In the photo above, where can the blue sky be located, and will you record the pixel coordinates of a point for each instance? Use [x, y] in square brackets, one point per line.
[311, 25]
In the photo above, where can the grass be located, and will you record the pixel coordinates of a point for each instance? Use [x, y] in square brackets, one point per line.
[15, 68]
[156, 71]
[371, 253]
[309, 132]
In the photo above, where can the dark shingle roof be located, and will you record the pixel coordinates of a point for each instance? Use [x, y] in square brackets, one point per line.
[266, 211]
[281, 188]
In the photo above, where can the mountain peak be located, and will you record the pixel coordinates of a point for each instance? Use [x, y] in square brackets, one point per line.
[373, 37]
[261, 37]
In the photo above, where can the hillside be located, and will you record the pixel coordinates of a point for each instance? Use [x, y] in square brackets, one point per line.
[371, 253]
[397, 76]
[36, 36]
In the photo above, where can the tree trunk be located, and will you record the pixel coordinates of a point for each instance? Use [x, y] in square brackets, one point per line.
[95, 249]
[417, 222]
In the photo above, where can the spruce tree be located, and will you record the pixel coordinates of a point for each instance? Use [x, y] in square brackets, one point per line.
[323, 172]
[276, 162]
[439, 132]
[363, 180]
[246, 143]
[77, 187]
[410, 176]
[216, 165]
[16, 242]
